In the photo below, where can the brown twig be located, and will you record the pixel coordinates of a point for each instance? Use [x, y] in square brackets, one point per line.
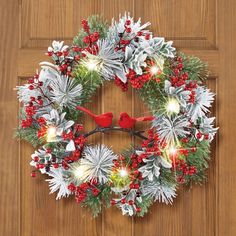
[104, 130]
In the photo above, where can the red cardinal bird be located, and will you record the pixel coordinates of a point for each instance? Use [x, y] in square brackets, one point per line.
[127, 122]
[103, 120]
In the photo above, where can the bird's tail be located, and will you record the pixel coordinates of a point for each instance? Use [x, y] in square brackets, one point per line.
[146, 118]
[85, 110]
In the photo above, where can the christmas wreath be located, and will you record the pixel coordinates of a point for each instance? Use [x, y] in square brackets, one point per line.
[175, 147]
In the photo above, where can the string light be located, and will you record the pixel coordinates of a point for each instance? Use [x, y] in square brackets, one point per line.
[172, 151]
[155, 70]
[51, 134]
[123, 172]
[173, 106]
[79, 172]
[91, 64]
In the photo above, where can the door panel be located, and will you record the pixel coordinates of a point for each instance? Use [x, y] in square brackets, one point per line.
[204, 28]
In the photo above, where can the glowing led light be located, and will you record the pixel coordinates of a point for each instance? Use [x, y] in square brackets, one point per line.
[91, 65]
[173, 106]
[79, 172]
[155, 70]
[51, 134]
[172, 151]
[123, 173]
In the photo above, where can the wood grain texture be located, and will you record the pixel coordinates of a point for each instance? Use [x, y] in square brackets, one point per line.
[204, 28]
[9, 167]
[227, 89]
[45, 20]
[191, 24]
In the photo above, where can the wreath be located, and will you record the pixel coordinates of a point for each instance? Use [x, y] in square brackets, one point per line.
[174, 149]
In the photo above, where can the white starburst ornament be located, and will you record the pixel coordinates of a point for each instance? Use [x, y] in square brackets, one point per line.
[170, 129]
[203, 101]
[96, 163]
[58, 183]
[65, 92]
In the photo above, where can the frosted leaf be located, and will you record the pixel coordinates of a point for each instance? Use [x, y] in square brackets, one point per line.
[152, 166]
[57, 46]
[207, 127]
[159, 191]
[179, 93]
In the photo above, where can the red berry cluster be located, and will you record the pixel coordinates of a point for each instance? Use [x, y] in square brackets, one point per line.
[83, 190]
[125, 37]
[137, 81]
[179, 78]
[119, 83]
[42, 131]
[199, 136]
[131, 164]
[183, 170]
[74, 135]
[42, 163]
[34, 103]
[90, 39]
[64, 60]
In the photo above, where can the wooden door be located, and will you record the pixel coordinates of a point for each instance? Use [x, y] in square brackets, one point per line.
[205, 28]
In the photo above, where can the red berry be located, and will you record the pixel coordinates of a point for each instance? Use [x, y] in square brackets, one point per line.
[33, 174]
[185, 76]
[139, 33]
[31, 81]
[198, 135]
[41, 166]
[55, 165]
[128, 30]
[86, 39]
[180, 66]
[147, 36]
[128, 22]
[49, 150]
[63, 67]
[113, 202]
[36, 159]
[59, 54]
[176, 71]
[132, 186]
[65, 53]
[123, 201]
[138, 209]
[84, 22]
[49, 54]
[193, 149]
[131, 202]
[96, 34]
[136, 186]
[31, 87]
[77, 57]
[76, 49]
[40, 102]
[206, 136]
[185, 140]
